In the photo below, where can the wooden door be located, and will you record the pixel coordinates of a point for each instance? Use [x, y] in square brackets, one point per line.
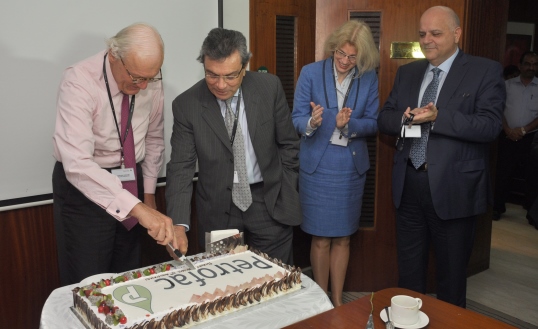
[282, 42]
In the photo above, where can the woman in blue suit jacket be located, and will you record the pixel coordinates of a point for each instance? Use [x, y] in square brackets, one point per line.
[335, 109]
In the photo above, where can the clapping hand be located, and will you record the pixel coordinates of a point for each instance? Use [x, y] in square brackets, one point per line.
[315, 119]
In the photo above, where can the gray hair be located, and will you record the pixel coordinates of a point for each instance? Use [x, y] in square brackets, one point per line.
[221, 43]
[140, 38]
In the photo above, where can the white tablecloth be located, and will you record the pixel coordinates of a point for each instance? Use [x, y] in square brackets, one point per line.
[276, 313]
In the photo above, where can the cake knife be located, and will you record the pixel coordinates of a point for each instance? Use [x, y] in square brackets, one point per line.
[182, 258]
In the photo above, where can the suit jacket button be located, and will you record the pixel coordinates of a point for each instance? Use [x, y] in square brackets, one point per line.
[117, 211]
[353, 152]
[229, 188]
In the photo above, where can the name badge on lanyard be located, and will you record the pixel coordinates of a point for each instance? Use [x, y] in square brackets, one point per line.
[125, 175]
[413, 131]
[339, 139]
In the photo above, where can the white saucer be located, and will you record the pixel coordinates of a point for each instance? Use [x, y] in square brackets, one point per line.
[423, 320]
[96, 278]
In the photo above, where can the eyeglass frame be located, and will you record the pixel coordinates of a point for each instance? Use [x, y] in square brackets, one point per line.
[227, 78]
[342, 55]
[136, 81]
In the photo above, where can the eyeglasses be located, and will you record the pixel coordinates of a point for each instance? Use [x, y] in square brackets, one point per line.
[228, 78]
[340, 55]
[141, 80]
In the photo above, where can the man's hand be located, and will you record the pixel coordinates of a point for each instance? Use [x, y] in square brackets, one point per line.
[514, 134]
[180, 241]
[158, 225]
[427, 113]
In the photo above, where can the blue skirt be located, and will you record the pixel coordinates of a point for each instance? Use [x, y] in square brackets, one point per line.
[331, 197]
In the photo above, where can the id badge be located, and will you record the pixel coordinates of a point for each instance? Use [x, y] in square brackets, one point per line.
[236, 177]
[414, 131]
[338, 139]
[125, 175]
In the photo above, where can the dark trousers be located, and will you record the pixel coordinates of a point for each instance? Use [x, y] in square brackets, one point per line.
[417, 226]
[89, 240]
[260, 230]
[514, 157]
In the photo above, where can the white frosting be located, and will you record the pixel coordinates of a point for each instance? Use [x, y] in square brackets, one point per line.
[152, 297]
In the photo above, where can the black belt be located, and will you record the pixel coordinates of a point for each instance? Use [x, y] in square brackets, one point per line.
[423, 167]
[256, 185]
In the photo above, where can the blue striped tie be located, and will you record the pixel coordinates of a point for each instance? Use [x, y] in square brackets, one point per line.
[418, 147]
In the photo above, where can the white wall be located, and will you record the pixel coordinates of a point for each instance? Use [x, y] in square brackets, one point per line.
[236, 16]
[521, 28]
[38, 39]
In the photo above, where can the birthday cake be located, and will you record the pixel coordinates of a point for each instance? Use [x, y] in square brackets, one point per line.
[164, 296]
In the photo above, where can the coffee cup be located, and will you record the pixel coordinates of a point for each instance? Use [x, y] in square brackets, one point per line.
[405, 309]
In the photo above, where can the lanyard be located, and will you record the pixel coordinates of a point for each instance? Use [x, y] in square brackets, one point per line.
[131, 110]
[334, 81]
[348, 87]
[236, 116]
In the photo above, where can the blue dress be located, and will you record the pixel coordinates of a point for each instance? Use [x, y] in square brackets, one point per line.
[331, 196]
[332, 177]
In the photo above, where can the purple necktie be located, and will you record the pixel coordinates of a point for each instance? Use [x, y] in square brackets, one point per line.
[129, 157]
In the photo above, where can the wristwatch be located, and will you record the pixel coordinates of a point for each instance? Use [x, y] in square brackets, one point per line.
[523, 131]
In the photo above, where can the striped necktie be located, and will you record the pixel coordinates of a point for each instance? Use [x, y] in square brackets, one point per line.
[418, 147]
[241, 195]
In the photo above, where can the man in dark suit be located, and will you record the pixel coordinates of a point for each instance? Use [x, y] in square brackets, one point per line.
[441, 179]
[247, 151]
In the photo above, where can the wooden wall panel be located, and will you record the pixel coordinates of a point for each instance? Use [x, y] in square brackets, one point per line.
[263, 47]
[263, 36]
[29, 270]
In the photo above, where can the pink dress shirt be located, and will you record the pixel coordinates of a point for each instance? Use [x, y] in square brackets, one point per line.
[86, 140]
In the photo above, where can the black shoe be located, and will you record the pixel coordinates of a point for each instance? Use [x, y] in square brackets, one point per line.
[531, 221]
[496, 215]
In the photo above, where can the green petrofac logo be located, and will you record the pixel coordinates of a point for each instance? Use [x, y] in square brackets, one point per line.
[134, 295]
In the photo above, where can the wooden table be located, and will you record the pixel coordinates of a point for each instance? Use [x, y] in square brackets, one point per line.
[355, 314]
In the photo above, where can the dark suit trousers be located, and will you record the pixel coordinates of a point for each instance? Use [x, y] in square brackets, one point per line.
[260, 230]
[417, 225]
[89, 240]
[511, 158]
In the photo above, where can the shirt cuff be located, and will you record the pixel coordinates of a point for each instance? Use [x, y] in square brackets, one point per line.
[309, 130]
[122, 205]
[187, 227]
[150, 185]
[345, 131]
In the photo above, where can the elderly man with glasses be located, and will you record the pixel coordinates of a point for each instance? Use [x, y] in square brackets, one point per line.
[236, 124]
[108, 143]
